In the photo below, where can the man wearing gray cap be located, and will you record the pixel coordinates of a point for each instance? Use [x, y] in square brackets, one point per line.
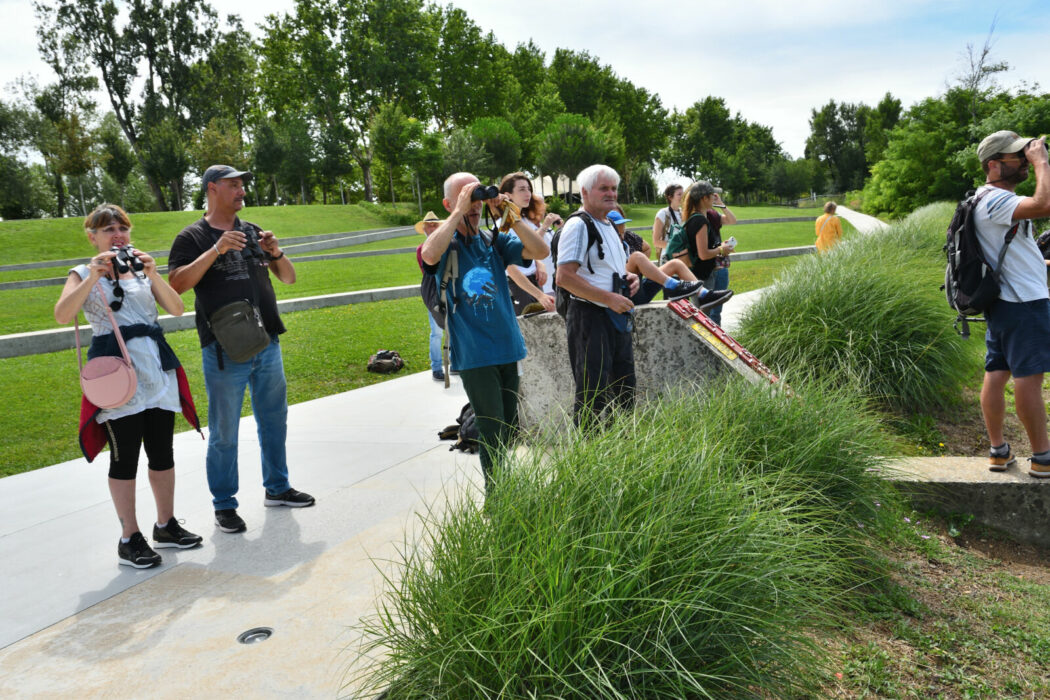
[1018, 335]
[228, 262]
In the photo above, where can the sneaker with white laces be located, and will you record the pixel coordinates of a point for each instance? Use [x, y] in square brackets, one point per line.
[228, 520]
[683, 290]
[291, 497]
[136, 552]
[174, 535]
[1001, 462]
[713, 297]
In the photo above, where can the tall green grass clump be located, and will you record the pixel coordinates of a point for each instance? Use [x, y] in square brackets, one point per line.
[869, 313]
[670, 556]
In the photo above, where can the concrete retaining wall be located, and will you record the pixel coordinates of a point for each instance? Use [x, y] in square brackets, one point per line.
[661, 339]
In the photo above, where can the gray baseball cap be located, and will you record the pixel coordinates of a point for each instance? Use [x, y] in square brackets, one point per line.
[705, 188]
[223, 172]
[1000, 142]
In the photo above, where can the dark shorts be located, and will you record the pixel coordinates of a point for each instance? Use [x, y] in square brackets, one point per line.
[1018, 337]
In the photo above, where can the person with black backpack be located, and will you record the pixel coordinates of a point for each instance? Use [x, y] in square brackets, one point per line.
[469, 265]
[592, 268]
[1018, 333]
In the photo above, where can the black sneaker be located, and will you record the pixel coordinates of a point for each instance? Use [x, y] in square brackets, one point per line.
[291, 497]
[713, 298]
[174, 535]
[439, 375]
[228, 520]
[137, 553]
[683, 290]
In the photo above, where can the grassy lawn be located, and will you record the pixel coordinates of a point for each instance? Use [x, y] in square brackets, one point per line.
[325, 352]
[58, 239]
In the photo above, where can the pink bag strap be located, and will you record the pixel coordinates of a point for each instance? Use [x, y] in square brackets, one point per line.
[112, 320]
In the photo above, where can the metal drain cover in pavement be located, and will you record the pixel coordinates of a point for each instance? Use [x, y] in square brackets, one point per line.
[255, 635]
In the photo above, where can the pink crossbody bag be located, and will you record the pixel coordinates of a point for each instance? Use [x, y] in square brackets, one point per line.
[109, 381]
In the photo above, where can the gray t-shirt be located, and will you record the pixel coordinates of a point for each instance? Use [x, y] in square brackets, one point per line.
[156, 388]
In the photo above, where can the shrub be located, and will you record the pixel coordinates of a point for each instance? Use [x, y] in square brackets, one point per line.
[870, 313]
[670, 556]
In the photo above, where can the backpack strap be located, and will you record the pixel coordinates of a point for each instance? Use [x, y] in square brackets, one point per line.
[449, 274]
[593, 237]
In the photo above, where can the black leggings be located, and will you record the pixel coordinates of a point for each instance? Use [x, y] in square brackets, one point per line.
[153, 428]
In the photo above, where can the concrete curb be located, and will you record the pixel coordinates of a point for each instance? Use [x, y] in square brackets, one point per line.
[39, 342]
[297, 243]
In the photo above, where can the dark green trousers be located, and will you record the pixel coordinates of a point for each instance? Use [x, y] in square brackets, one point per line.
[493, 394]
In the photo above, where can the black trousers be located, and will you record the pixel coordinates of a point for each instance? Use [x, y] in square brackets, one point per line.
[602, 360]
[152, 428]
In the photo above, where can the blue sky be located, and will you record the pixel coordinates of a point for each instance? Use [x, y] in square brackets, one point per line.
[772, 61]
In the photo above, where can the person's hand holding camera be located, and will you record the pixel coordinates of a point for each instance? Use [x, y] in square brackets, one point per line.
[268, 242]
[149, 265]
[101, 265]
[552, 221]
[231, 240]
[465, 200]
[1036, 151]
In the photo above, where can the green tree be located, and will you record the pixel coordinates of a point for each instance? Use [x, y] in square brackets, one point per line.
[393, 136]
[114, 153]
[471, 76]
[462, 151]
[570, 144]
[502, 143]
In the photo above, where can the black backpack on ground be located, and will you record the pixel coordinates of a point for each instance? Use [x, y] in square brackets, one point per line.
[385, 362]
[561, 297]
[971, 283]
[464, 431]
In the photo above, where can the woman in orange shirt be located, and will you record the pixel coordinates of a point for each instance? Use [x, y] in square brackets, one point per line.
[829, 229]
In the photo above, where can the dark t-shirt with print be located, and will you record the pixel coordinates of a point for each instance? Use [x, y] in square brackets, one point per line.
[230, 278]
[701, 268]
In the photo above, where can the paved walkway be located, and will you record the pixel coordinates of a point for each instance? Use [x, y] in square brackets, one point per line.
[862, 222]
[73, 622]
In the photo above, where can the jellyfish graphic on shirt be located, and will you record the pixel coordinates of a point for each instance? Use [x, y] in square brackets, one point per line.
[480, 289]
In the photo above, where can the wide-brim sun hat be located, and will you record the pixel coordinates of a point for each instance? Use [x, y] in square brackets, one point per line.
[430, 218]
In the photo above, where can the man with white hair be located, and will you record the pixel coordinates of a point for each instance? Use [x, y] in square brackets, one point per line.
[592, 268]
[469, 266]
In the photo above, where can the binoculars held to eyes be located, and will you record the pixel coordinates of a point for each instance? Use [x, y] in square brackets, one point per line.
[126, 259]
[482, 193]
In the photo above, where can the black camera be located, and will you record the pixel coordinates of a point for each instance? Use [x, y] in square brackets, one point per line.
[481, 193]
[252, 250]
[126, 259]
[621, 285]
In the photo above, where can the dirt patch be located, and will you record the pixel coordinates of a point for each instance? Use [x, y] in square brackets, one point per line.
[964, 432]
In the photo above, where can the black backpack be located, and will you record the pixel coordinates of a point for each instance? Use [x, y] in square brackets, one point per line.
[464, 431]
[971, 283]
[561, 297]
[385, 362]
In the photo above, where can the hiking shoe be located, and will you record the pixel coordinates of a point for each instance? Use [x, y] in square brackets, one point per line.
[1040, 470]
[439, 375]
[174, 535]
[713, 298]
[683, 290]
[228, 520]
[137, 553]
[291, 497]
[1000, 463]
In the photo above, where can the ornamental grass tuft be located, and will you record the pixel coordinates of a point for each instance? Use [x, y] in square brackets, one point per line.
[868, 313]
[691, 550]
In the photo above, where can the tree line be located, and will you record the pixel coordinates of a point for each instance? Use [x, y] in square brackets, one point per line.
[344, 100]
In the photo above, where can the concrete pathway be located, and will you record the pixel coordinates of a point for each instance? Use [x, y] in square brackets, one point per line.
[73, 622]
[862, 222]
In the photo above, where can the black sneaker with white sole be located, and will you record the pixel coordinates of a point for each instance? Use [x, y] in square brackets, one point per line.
[136, 552]
[228, 520]
[683, 290]
[174, 535]
[713, 298]
[291, 497]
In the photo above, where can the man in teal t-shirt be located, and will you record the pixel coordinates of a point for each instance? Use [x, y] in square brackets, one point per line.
[484, 337]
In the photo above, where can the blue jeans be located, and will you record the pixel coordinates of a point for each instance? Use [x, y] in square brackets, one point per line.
[435, 343]
[718, 279]
[264, 374]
